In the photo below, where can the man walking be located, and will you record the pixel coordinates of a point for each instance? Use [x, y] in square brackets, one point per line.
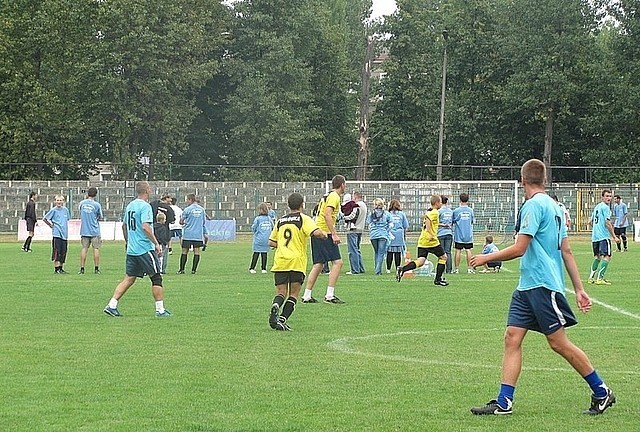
[601, 235]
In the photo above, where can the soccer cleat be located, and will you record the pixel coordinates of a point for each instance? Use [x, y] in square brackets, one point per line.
[281, 324]
[252, 271]
[471, 271]
[81, 271]
[388, 271]
[97, 271]
[333, 300]
[25, 250]
[591, 280]
[264, 271]
[492, 408]
[399, 274]
[441, 282]
[193, 272]
[311, 300]
[60, 271]
[273, 316]
[602, 282]
[180, 272]
[455, 271]
[600, 405]
[114, 312]
[163, 314]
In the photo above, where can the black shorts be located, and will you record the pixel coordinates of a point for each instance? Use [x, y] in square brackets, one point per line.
[59, 250]
[436, 250]
[288, 277]
[324, 251]
[620, 231]
[31, 224]
[141, 265]
[187, 244]
[460, 246]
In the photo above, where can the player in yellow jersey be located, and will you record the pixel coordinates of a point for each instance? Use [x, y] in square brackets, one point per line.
[290, 237]
[429, 243]
[325, 250]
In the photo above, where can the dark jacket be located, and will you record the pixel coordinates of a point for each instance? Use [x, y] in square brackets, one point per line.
[162, 232]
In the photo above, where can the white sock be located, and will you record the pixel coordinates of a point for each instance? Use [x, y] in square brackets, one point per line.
[113, 303]
[160, 306]
[307, 294]
[330, 292]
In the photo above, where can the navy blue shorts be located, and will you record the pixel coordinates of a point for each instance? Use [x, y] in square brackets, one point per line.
[59, 250]
[176, 233]
[141, 265]
[460, 246]
[188, 244]
[324, 250]
[602, 247]
[541, 310]
[288, 277]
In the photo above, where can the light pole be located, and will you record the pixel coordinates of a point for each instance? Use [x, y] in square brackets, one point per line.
[445, 35]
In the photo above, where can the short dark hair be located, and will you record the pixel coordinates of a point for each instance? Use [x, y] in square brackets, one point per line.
[617, 197]
[92, 192]
[32, 194]
[337, 181]
[444, 199]
[464, 197]
[295, 201]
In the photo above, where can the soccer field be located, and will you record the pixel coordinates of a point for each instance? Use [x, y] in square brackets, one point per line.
[396, 357]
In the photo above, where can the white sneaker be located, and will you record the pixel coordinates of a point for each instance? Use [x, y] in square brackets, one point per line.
[264, 271]
[471, 271]
[455, 271]
[348, 273]
[252, 271]
[388, 271]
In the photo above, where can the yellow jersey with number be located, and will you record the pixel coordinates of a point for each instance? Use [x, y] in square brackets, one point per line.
[429, 234]
[291, 233]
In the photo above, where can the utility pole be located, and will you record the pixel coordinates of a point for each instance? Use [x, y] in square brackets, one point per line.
[365, 114]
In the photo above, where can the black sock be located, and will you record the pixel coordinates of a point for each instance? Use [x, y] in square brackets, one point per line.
[194, 265]
[183, 261]
[410, 266]
[439, 271]
[96, 268]
[289, 306]
[279, 300]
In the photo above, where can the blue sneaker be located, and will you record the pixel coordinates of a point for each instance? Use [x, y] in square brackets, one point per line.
[114, 312]
[164, 314]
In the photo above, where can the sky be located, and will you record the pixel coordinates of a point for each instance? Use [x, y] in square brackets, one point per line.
[383, 7]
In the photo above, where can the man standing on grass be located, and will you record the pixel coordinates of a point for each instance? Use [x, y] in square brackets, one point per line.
[601, 235]
[31, 219]
[463, 217]
[193, 232]
[621, 213]
[90, 217]
[143, 250]
[538, 303]
[325, 250]
[290, 237]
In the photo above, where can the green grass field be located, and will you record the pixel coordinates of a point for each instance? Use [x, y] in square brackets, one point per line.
[396, 357]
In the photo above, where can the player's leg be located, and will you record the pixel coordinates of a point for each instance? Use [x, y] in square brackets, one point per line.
[311, 281]
[183, 256]
[254, 261]
[263, 261]
[196, 258]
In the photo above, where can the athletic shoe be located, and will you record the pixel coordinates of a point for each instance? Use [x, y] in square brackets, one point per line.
[273, 316]
[180, 272]
[25, 250]
[264, 271]
[311, 300]
[281, 324]
[399, 274]
[388, 271]
[81, 271]
[114, 312]
[492, 408]
[97, 271]
[252, 271]
[600, 405]
[602, 282]
[591, 280]
[441, 282]
[193, 272]
[455, 271]
[349, 273]
[164, 314]
[471, 271]
[60, 271]
[485, 271]
[625, 249]
[333, 300]
[203, 248]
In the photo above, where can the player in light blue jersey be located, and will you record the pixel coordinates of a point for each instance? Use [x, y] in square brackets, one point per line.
[601, 235]
[193, 227]
[621, 213]
[90, 217]
[58, 219]
[143, 251]
[539, 303]
[445, 231]
[463, 218]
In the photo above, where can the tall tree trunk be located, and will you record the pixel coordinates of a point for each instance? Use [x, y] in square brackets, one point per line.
[548, 143]
[365, 114]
